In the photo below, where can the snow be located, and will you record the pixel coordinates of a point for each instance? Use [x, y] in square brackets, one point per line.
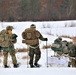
[58, 62]
[40, 71]
[56, 66]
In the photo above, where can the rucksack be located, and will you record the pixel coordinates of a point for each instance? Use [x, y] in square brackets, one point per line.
[7, 40]
[31, 36]
[2, 33]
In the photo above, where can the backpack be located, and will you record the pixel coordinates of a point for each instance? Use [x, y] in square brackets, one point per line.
[2, 33]
[31, 36]
[6, 40]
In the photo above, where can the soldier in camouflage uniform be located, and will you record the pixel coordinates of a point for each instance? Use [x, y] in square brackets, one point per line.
[57, 46]
[72, 54]
[8, 46]
[34, 48]
[58, 41]
[65, 47]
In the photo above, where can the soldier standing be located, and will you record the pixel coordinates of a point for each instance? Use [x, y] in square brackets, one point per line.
[8, 46]
[31, 37]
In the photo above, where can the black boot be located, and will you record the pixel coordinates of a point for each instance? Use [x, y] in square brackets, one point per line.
[32, 66]
[68, 65]
[16, 65]
[37, 65]
[5, 66]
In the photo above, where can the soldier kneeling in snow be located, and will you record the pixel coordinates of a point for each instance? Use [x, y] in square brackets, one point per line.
[57, 46]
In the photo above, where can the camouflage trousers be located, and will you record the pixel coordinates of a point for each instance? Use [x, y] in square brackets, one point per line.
[35, 52]
[72, 62]
[12, 53]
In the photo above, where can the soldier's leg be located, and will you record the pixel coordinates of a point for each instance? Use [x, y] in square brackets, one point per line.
[69, 63]
[5, 53]
[73, 62]
[38, 55]
[12, 53]
[14, 60]
[31, 55]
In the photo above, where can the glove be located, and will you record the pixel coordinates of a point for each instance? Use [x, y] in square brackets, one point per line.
[46, 39]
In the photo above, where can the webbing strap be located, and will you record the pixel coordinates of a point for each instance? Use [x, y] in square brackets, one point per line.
[33, 47]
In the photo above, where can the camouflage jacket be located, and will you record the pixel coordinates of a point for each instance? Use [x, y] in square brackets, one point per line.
[57, 41]
[72, 50]
[7, 41]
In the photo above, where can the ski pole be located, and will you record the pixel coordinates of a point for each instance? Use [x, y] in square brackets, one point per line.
[46, 55]
[27, 55]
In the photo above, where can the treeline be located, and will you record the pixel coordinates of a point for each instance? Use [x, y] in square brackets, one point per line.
[37, 10]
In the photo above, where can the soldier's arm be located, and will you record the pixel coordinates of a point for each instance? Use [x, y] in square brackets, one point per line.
[42, 38]
[14, 38]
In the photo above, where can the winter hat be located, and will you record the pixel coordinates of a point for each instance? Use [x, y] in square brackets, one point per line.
[32, 26]
[9, 27]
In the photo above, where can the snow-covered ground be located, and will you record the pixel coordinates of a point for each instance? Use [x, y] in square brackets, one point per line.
[56, 66]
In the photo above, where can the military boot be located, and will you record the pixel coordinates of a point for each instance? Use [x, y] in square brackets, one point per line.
[68, 65]
[32, 66]
[5, 66]
[37, 65]
[16, 65]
